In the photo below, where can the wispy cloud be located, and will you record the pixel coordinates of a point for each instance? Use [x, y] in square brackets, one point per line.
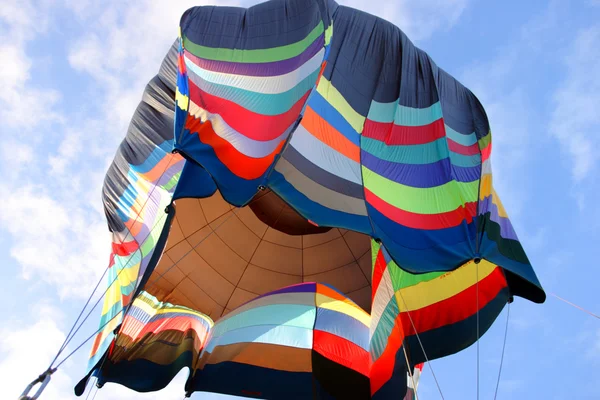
[26, 349]
[418, 19]
[575, 121]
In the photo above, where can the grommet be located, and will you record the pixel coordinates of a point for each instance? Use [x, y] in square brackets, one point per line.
[262, 187]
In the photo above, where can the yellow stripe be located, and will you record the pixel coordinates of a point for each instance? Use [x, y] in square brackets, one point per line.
[486, 186]
[182, 100]
[108, 329]
[335, 98]
[343, 307]
[147, 308]
[448, 285]
[496, 200]
[487, 189]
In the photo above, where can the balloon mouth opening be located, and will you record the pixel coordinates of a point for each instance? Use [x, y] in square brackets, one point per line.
[270, 209]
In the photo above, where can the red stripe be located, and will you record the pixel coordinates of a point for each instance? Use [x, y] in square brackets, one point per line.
[132, 329]
[125, 248]
[394, 135]
[378, 270]
[382, 369]
[423, 221]
[485, 153]
[181, 64]
[250, 124]
[240, 164]
[456, 308]
[342, 351]
[464, 150]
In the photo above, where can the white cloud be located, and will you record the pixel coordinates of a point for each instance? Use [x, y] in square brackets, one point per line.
[418, 19]
[575, 120]
[55, 238]
[26, 351]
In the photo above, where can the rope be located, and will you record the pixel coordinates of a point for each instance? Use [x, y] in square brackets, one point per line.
[477, 301]
[576, 306]
[421, 344]
[73, 331]
[503, 348]
[410, 372]
[68, 338]
[100, 298]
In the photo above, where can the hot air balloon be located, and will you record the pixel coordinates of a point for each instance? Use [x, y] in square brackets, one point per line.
[302, 197]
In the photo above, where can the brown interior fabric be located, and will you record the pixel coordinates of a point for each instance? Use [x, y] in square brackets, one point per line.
[218, 257]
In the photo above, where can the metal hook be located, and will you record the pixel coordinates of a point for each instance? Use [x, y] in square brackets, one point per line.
[44, 379]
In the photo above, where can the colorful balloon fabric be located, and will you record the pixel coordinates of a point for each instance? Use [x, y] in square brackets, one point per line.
[294, 142]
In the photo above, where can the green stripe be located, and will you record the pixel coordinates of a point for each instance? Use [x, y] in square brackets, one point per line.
[484, 141]
[384, 328]
[435, 200]
[406, 279]
[419, 154]
[328, 34]
[254, 56]
[172, 182]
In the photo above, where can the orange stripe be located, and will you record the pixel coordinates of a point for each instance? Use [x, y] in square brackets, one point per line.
[161, 167]
[327, 291]
[327, 134]
[382, 369]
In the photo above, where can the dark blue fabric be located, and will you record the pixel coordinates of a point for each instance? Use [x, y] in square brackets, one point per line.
[251, 381]
[195, 182]
[267, 25]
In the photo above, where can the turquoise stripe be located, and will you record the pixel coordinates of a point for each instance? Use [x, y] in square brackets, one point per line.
[296, 298]
[460, 138]
[260, 103]
[154, 158]
[281, 335]
[427, 153]
[384, 328]
[404, 116]
[300, 316]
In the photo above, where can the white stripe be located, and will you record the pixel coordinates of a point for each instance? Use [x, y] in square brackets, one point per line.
[260, 84]
[243, 144]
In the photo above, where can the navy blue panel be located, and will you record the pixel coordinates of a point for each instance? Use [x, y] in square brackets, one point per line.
[195, 182]
[142, 375]
[453, 338]
[396, 387]
[271, 24]
[251, 381]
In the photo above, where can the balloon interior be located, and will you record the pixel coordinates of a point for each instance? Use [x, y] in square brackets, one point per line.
[302, 207]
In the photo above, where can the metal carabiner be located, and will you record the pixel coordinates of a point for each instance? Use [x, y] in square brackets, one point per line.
[43, 379]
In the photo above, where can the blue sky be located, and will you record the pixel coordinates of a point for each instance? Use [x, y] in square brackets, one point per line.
[73, 71]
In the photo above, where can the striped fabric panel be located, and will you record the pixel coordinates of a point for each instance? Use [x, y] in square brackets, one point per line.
[366, 135]
[155, 342]
[286, 333]
[341, 330]
[440, 308]
[243, 103]
[141, 210]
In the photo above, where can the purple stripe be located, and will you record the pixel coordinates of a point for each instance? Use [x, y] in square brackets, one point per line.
[420, 175]
[506, 229]
[309, 287]
[169, 173]
[274, 68]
